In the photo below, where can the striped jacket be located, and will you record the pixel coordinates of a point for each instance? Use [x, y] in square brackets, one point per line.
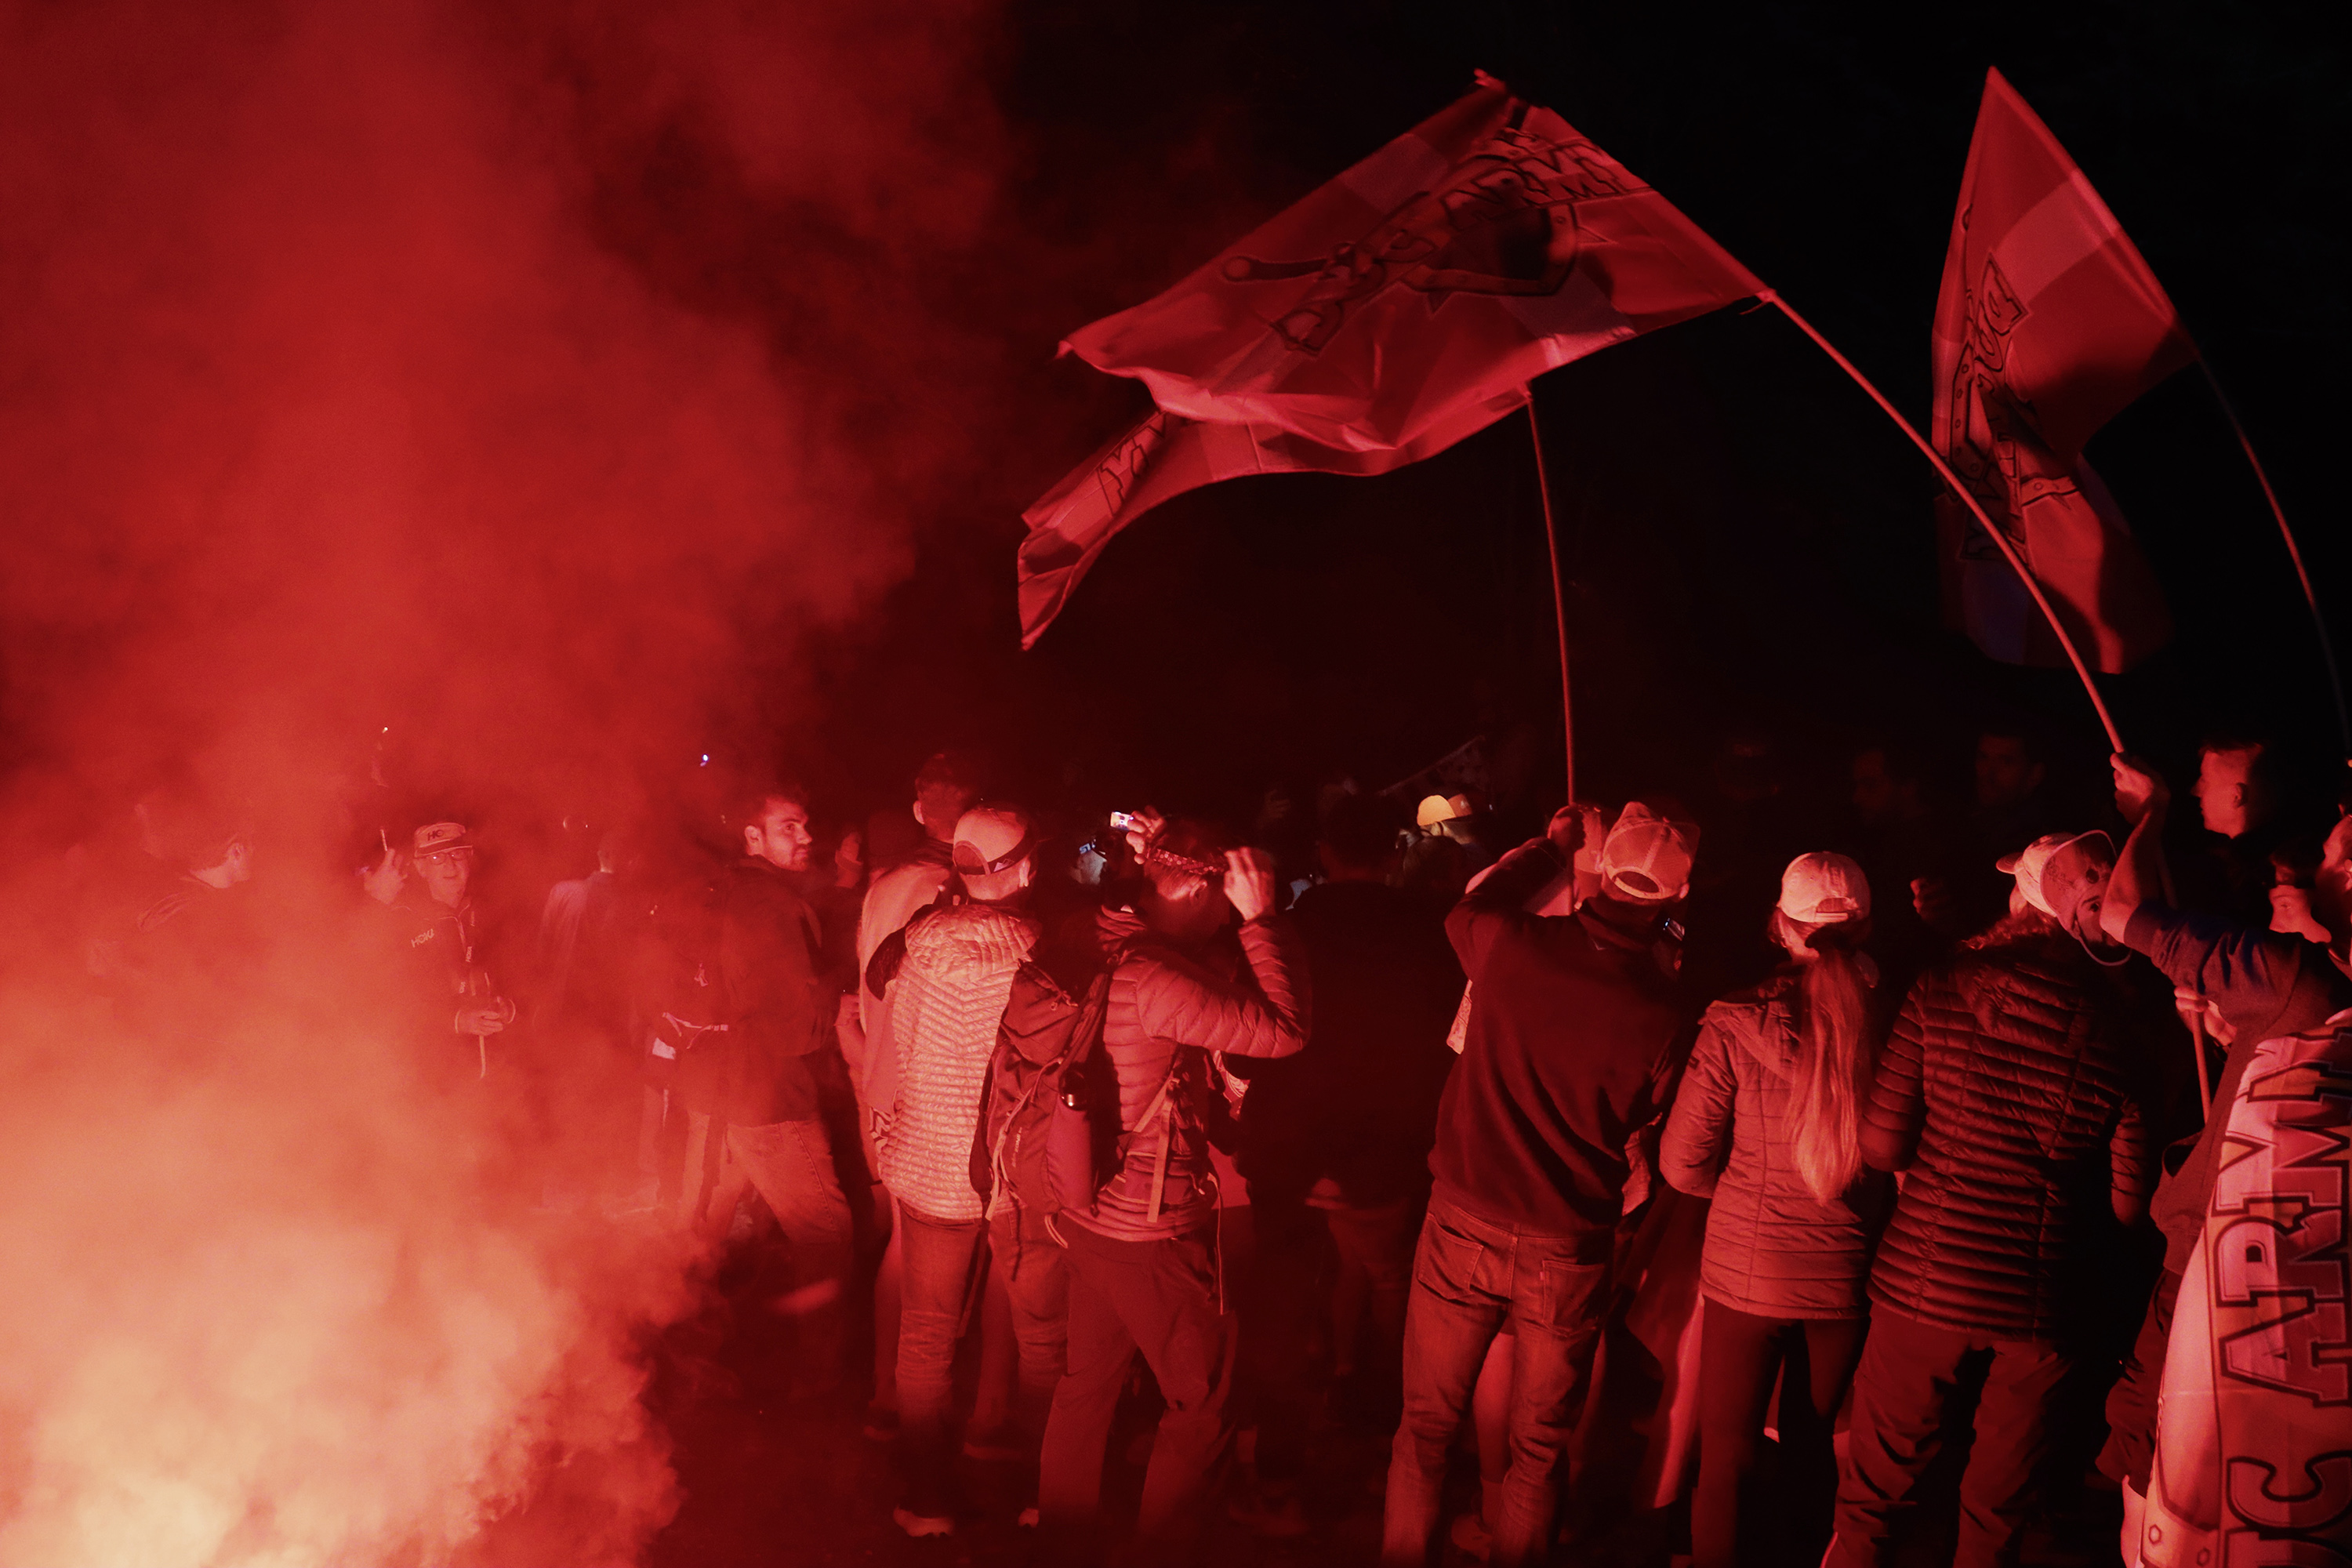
[947, 1001]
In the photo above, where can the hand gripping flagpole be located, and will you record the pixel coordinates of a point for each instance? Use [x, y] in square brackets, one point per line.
[2293, 553]
[1558, 595]
[2114, 738]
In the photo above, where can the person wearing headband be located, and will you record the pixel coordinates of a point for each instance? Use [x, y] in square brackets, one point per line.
[947, 976]
[1767, 1124]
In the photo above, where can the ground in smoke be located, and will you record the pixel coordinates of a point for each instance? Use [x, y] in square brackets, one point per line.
[767, 1484]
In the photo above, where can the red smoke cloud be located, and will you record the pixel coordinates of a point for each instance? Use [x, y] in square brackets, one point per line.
[527, 377]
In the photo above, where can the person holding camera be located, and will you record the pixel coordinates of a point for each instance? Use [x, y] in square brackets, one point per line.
[1145, 1268]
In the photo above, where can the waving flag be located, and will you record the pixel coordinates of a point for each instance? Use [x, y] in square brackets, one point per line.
[1393, 311]
[1163, 456]
[2048, 325]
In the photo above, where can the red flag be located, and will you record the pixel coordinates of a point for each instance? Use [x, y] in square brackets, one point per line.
[1490, 244]
[1393, 311]
[1163, 456]
[2048, 325]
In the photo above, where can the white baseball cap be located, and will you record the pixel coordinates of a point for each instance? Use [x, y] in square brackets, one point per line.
[1822, 889]
[2033, 867]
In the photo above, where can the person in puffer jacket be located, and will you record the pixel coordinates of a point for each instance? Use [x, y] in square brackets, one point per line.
[2001, 1097]
[1145, 1269]
[1767, 1124]
[947, 975]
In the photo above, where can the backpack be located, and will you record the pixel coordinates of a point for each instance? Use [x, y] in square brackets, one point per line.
[1086, 1144]
[1082, 1129]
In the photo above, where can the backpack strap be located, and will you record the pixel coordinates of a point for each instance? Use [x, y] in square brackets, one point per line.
[1162, 1106]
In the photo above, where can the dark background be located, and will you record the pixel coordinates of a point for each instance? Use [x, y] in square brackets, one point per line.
[1748, 542]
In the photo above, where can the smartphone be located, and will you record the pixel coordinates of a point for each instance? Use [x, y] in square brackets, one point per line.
[1121, 821]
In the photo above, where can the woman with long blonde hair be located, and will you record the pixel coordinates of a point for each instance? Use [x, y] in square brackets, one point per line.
[1767, 1124]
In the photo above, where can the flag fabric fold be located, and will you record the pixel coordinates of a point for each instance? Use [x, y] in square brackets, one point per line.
[1390, 313]
[2049, 323]
[1166, 455]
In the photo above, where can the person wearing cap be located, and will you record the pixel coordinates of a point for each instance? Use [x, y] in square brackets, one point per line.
[2001, 1097]
[2256, 985]
[461, 1002]
[1768, 1125]
[754, 1085]
[1446, 855]
[947, 976]
[1574, 1038]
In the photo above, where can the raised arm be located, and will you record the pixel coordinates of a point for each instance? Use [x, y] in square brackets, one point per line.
[2144, 799]
[1498, 903]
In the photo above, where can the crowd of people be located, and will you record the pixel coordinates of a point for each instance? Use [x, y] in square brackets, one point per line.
[1890, 1109]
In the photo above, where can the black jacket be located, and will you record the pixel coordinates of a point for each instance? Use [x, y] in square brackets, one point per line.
[1358, 1107]
[768, 1065]
[2001, 1093]
[1576, 1036]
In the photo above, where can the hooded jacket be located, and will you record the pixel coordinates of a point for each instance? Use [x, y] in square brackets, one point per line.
[2001, 1094]
[945, 1008]
[1772, 1249]
[1170, 1011]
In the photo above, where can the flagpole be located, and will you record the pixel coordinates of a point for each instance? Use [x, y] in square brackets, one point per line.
[1559, 596]
[2293, 553]
[2114, 737]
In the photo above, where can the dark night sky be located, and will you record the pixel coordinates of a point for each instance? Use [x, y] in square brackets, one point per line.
[1746, 538]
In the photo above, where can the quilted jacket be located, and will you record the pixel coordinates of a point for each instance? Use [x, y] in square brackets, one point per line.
[2001, 1094]
[1169, 1012]
[945, 1005]
[1772, 1249]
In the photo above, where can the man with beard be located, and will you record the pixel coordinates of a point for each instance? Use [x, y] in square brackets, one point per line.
[750, 1083]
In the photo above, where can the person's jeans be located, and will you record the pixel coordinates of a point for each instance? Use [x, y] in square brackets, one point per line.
[1470, 1280]
[939, 1262]
[1908, 1372]
[1159, 1297]
[1034, 1272]
[790, 1164]
[1740, 1355]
